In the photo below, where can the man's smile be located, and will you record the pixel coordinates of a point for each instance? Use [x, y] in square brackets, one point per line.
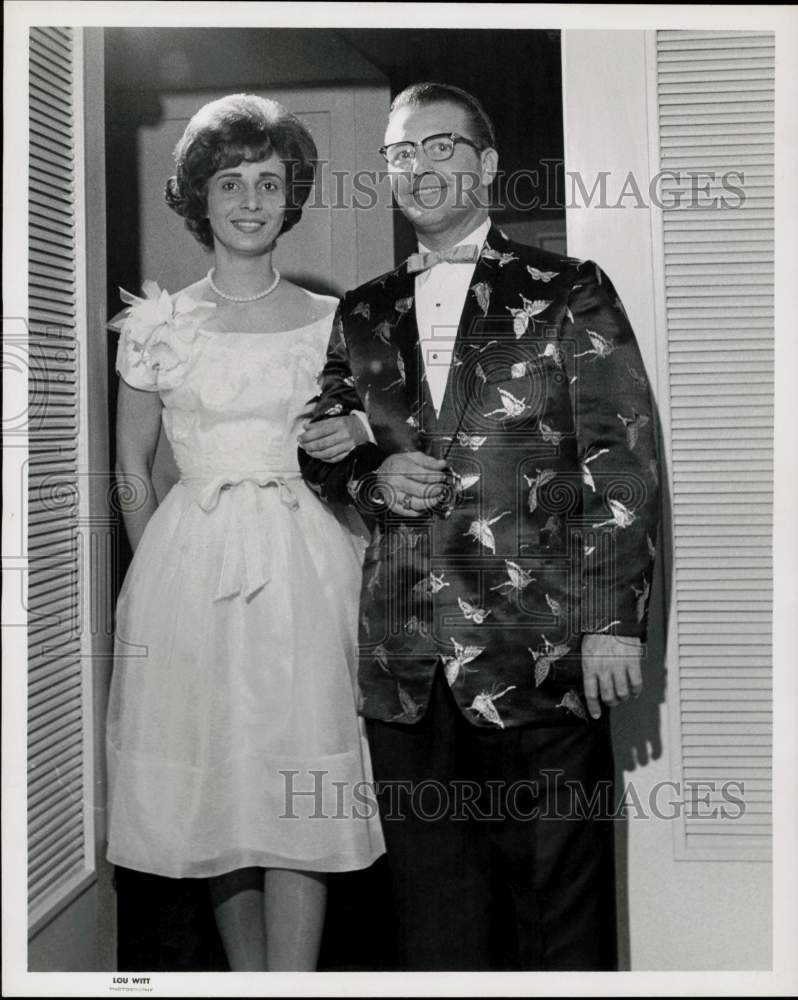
[427, 184]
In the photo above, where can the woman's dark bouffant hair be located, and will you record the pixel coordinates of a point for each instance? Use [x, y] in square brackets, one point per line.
[223, 134]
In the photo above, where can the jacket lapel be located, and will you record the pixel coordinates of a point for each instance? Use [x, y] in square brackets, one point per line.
[474, 324]
[400, 402]
[407, 341]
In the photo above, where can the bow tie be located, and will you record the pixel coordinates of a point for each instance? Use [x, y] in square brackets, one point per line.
[464, 254]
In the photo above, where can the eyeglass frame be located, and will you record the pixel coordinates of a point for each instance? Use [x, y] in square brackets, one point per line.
[454, 136]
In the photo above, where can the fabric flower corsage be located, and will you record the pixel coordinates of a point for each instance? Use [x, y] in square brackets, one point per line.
[159, 333]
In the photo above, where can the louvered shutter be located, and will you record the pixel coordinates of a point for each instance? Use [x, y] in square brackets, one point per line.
[715, 95]
[59, 824]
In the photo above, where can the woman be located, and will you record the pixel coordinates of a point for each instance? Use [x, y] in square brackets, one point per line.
[234, 748]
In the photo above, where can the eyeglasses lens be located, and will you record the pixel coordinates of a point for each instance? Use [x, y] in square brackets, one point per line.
[401, 154]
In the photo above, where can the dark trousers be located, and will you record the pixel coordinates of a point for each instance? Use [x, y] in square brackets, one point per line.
[499, 846]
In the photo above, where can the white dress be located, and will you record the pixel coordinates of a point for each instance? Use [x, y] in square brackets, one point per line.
[233, 737]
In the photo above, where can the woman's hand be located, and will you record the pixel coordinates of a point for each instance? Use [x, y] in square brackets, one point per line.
[331, 439]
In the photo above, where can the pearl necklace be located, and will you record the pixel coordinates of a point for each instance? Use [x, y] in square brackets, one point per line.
[243, 298]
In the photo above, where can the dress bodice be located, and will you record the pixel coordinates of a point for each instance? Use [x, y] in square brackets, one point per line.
[243, 401]
[233, 403]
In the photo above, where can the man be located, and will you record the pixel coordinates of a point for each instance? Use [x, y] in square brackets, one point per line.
[511, 478]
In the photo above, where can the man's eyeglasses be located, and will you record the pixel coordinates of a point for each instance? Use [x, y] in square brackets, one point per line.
[436, 148]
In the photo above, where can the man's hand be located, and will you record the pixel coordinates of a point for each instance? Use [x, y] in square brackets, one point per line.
[411, 482]
[610, 670]
[331, 439]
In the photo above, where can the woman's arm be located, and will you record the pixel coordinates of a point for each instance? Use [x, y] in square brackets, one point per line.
[138, 424]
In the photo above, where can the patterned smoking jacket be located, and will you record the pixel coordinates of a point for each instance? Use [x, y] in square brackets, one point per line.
[548, 527]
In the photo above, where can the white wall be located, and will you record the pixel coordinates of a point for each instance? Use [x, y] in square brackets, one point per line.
[674, 914]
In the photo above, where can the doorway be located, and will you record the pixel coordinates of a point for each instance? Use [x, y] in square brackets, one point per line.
[343, 80]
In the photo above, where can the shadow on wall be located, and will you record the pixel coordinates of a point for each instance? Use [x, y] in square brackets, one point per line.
[636, 726]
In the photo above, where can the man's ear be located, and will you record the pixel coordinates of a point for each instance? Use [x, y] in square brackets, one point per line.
[490, 165]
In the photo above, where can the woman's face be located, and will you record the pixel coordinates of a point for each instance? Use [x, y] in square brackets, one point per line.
[246, 206]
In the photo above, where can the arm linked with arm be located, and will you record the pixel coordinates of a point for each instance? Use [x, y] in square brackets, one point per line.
[342, 481]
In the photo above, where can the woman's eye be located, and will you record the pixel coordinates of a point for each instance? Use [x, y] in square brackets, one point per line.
[229, 186]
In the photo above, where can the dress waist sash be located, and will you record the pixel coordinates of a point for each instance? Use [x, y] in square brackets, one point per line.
[246, 562]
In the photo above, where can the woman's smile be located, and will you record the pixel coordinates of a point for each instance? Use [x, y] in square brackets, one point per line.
[247, 201]
[248, 225]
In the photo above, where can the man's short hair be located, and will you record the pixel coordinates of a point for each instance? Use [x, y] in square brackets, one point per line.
[420, 94]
